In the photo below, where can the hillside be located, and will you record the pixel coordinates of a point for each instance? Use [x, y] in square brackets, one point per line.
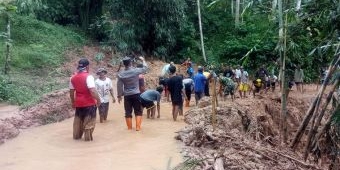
[37, 49]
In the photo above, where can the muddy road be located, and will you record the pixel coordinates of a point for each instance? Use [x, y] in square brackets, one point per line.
[52, 147]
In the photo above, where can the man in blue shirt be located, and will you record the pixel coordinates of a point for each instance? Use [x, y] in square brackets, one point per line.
[199, 80]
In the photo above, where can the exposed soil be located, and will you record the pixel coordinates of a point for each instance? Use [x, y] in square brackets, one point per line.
[247, 133]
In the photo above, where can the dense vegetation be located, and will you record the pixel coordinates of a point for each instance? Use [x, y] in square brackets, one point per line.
[36, 51]
[168, 29]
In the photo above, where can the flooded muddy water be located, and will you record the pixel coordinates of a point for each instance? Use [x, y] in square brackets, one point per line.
[114, 147]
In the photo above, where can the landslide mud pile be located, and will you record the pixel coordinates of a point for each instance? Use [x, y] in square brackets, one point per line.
[53, 107]
[246, 137]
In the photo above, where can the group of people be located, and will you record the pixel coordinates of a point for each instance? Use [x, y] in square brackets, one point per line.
[232, 79]
[179, 87]
[87, 95]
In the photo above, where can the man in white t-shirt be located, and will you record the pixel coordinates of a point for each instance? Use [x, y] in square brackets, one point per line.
[243, 85]
[104, 89]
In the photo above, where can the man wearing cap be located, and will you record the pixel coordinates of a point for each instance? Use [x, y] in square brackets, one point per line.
[200, 82]
[104, 88]
[128, 86]
[85, 99]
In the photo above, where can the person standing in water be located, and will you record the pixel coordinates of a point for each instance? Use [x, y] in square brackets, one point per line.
[128, 86]
[104, 89]
[85, 100]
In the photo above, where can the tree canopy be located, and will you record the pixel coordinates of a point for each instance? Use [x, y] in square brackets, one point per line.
[235, 32]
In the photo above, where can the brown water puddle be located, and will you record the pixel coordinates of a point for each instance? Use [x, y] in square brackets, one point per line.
[52, 147]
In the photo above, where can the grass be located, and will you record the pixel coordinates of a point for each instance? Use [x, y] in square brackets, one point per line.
[37, 51]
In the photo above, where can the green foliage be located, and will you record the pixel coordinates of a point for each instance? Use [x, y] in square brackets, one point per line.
[64, 12]
[37, 44]
[37, 49]
[153, 27]
[99, 57]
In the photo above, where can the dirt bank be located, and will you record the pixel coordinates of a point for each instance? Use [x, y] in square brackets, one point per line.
[247, 134]
[52, 108]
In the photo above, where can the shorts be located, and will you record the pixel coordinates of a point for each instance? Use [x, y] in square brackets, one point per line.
[132, 102]
[290, 84]
[188, 91]
[298, 83]
[243, 87]
[257, 89]
[229, 89]
[147, 104]
[179, 104]
[273, 84]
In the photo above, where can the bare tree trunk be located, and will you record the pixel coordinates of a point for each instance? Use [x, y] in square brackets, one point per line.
[326, 126]
[298, 5]
[237, 13]
[282, 57]
[284, 85]
[232, 7]
[313, 107]
[314, 129]
[8, 41]
[214, 104]
[274, 6]
[201, 30]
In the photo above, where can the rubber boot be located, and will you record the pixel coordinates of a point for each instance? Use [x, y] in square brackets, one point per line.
[138, 123]
[129, 123]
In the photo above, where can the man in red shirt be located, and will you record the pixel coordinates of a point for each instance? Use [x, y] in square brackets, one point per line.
[85, 100]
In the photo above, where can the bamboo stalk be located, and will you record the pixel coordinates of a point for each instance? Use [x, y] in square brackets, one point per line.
[201, 30]
[8, 41]
[312, 107]
[314, 129]
[284, 85]
[214, 105]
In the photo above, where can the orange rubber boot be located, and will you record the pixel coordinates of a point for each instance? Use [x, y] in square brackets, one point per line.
[129, 123]
[138, 123]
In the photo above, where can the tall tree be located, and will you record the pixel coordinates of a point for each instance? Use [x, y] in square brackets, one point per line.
[201, 29]
[237, 13]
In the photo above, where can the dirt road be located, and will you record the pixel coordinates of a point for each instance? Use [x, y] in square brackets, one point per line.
[52, 147]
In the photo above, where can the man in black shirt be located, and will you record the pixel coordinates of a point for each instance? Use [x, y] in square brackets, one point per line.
[228, 72]
[175, 86]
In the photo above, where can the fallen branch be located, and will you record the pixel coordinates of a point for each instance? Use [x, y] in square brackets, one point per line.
[294, 159]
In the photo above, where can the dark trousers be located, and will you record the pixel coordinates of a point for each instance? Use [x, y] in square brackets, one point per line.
[188, 91]
[132, 102]
[103, 110]
[198, 95]
[206, 89]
